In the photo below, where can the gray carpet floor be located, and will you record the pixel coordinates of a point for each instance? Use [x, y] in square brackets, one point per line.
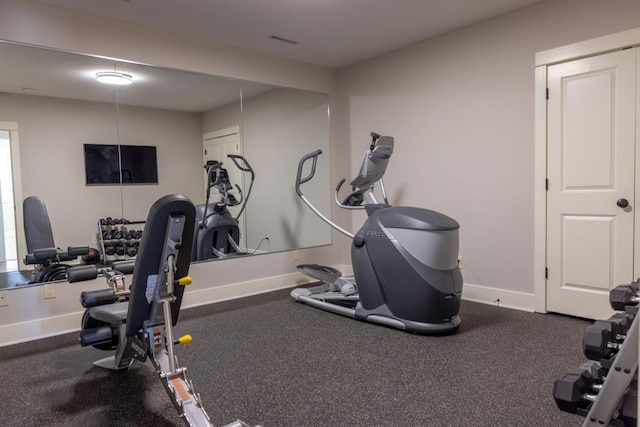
[268, 360]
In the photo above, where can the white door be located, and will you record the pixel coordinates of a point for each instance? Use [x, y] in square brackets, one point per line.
[217, 145]
[591, 164]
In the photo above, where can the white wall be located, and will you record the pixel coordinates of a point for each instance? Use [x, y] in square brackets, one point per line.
[461, 107]
[28, 314]
[278, 128]
[52, 134]
[177, 137]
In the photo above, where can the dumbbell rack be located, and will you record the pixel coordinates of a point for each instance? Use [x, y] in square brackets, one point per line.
[605, 389]
[616, 385]
[123, 227]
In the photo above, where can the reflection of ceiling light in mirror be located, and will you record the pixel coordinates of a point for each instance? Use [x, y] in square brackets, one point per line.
[114, 78]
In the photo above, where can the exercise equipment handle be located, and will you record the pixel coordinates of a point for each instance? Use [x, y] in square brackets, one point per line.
[245, 166]
[299, 179]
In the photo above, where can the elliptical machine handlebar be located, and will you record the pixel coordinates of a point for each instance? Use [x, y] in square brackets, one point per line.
[300, 180]
[242, 164]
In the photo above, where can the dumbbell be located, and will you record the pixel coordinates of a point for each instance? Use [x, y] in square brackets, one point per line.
[604, 337]
[132, 249]
[120, 250]
[578, 388]
[623, 295]
[106, 221]
[110, 250]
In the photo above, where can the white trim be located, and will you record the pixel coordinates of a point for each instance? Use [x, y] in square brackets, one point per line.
[543, 59]
[18, 197]
[31, 330]
[498, 297]
[57, 325]
[540, 192]
[231, 291]
[222, 132]
[597, 46]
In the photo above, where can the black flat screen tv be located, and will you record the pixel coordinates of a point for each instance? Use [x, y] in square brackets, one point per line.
[120, 164]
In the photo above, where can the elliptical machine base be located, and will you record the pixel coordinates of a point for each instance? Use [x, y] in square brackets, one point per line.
[337, 295]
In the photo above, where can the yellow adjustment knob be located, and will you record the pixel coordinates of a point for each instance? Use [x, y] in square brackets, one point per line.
[186, 280]
[185, 339]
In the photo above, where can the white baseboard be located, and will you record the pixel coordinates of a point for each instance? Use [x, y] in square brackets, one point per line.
[31, 330]
[231, 291]
[498, 297]
[57, 325]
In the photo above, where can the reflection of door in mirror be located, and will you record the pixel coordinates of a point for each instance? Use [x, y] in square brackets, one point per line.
[217, 146]
[8, 231]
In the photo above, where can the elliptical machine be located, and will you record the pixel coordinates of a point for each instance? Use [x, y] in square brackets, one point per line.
[217, 233]
[405, 259]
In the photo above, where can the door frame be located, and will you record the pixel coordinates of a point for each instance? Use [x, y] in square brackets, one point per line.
[584, 49]
[16, 176]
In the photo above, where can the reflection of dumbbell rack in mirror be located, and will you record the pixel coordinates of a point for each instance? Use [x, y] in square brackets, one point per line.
[119, 239]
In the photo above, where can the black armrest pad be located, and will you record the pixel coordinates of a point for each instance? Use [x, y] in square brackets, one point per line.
[44, 254]
[124, 267]
[76, 251]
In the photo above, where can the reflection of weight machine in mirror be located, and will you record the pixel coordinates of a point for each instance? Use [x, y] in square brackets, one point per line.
[217, 233]
[42, 251]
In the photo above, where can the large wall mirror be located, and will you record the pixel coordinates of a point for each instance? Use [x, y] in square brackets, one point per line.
[51, 106]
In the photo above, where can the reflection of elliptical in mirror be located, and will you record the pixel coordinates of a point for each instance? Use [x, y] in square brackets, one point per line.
[218, 145]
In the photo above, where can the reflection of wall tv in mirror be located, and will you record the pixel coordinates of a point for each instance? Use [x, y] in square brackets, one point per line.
[102, 164]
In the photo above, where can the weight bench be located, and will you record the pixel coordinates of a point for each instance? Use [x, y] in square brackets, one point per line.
[138, 323]
[41, 248]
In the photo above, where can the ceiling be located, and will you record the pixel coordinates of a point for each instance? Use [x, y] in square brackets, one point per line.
[331, 33]
[35, 71]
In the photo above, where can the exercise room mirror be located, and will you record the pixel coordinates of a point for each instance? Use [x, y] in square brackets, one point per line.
[53, 109]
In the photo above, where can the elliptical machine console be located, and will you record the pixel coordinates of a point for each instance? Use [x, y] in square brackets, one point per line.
[405, 259]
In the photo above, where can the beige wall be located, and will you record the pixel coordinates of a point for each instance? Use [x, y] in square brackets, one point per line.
[461, 108]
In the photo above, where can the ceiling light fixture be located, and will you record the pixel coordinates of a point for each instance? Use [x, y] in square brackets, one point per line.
[114, 78]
